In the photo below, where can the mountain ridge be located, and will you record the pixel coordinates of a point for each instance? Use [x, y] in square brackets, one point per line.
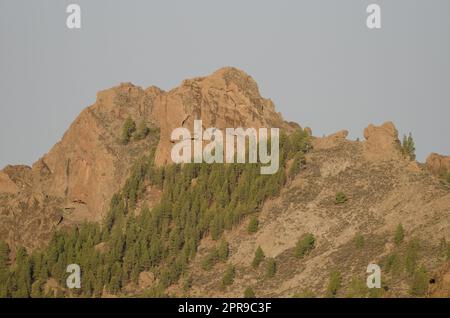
[340, 189]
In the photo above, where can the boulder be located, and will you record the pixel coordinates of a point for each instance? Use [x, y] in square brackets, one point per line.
[381, 142]
[438, 163]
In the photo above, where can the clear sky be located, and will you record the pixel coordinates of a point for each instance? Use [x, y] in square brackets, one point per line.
[315, 59]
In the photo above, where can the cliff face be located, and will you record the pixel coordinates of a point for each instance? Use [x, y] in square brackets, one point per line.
[75, 180]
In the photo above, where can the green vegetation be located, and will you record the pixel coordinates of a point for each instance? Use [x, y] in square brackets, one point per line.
[408, 147]
[253, 225]
[399, 235]
[304, 245]
[4, 271]
[223, 251]
[419, 284]
[299, 160]
[162, 240]
[259, 257]
[306, 293]
[249, 293]
[359, 241]
[392, 264]
[217, 254]
[142, 131]
[129, 127]
[412, 256]
[228, 277]
[271, 267]
[210, 260]
[334, 284]
[340, 198]
[357, 288]
[187, 282]
[444, 249]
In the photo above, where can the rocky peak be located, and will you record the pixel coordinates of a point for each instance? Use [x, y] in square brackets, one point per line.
[381, 142]
[438, 163]
[83, 170]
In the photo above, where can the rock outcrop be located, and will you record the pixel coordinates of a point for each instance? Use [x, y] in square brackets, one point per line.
[438, 163]
[381, 142]
[330, 141]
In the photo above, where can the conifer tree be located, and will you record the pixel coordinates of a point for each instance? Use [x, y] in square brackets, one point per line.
[223, 251]
[259, 257]
[399, 235]
[408, 147]
[129, 127]
[271, 267]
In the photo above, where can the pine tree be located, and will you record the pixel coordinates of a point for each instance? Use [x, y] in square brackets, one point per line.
[229, 275]
[23, 273]
[334, 284]
[4, 269]
[253, 225]
[399, 235]
[408, 147]
[129, 127]
[142, 130]
[419, 284]
[259, 257]
[271, 267]
[223, 251]
[249, 293]
[304, 245]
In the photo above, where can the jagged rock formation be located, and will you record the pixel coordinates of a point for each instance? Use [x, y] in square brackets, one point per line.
[81, 172]
[381, 142]
[438, 163]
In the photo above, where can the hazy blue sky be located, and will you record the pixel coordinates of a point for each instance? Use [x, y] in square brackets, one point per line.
[315, 59]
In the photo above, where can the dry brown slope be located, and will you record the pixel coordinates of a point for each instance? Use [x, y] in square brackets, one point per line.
[382, 192]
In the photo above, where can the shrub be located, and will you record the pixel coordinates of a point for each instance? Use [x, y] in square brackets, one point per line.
[412, 255]
[187, 283]
[304, 245]
[228, 277]
[271, 267]
[223, 251]
[259, 257]
[399, 235]
[408, 147]
[142, 131]
[419, 284]
[359, 241]
[210, 259]
[129, 127]
[357, 288]
[340, 198]
[249, 293]
[294, 169]
[334, 284]
[392, 263]
[444, 249]
[253, 225]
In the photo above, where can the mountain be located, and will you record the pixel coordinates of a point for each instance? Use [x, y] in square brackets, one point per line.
[76, 179]
[335, 206]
